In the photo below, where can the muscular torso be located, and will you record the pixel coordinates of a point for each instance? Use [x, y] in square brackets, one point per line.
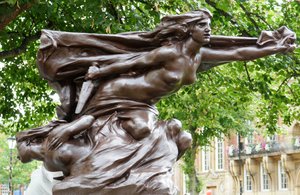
[151, 86]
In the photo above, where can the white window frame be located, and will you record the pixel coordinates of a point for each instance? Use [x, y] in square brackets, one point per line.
[246, 177]
[272, 138]
[185, 179]
[205, 159]
[281, 174]
[263, 175]
[4, 189]
[249, 139]
[217, 141]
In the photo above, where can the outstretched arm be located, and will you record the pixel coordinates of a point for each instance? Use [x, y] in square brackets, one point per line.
[220, 56]
[211, 57]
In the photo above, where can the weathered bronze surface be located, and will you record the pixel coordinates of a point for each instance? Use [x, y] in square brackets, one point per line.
[108, 139]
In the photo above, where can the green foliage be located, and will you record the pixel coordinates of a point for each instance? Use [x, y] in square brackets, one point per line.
[193, 181]
[221, 101]
[11, 2]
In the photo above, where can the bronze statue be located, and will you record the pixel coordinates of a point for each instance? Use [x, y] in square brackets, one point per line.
[108, 139]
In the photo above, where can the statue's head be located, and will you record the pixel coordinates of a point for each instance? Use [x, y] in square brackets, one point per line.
[175, 28]
[29, 152]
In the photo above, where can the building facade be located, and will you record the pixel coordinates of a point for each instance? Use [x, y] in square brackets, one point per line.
[267, 165]
[256, 165]
[212, 166]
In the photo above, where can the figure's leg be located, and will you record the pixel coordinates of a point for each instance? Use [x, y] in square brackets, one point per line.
[138, 123]
[174, 126]
[182, 139]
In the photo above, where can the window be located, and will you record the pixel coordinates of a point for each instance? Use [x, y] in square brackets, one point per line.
[247, 181]
[219, 154]
[4, 189]
[265, 181]
[185, 181]
[272, 138]
[283, 180]
[205, 159]
[249, 139]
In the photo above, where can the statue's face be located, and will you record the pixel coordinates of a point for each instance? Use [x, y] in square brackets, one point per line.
[28, 153]
[25, 157]
[200, 31]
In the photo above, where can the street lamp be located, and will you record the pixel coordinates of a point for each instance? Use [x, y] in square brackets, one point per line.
[240, 163]
[11, 145]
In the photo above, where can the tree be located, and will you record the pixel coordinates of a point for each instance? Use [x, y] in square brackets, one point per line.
[222, 100]
[232, 94]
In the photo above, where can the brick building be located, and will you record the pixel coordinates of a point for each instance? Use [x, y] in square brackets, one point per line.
[264, 165]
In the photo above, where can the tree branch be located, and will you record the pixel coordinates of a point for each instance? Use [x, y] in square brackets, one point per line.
[262, 19]
[22, 48]
[112, 10]
[17, 10]
[282, 83]
[292, 92]
[250, 18]
[227, 15]
[248, 75]
[137, 7]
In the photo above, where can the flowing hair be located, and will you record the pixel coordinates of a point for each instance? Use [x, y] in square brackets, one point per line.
[174, 28]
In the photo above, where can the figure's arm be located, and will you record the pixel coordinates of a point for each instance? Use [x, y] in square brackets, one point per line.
[269, 43]
[62, 133]
[219, 56]
[150, 59]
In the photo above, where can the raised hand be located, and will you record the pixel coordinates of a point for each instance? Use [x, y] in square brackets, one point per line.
[92, 73]
[283, 39]
[287, 44]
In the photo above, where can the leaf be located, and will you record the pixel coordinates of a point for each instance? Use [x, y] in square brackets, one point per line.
[11, 2]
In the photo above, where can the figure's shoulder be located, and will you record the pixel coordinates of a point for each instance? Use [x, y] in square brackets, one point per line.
[169, 51]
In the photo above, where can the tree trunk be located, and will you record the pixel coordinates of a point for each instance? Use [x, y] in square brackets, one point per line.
[192, 182]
